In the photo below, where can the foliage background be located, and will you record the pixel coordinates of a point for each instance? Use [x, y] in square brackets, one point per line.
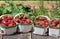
[50, 8]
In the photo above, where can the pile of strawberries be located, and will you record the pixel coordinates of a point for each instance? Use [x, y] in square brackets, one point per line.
[55, 23]
[41, 21]
[22, 20]
[7, 21]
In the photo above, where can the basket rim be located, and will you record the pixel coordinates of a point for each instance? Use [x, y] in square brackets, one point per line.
[7, 27]
[5, 15]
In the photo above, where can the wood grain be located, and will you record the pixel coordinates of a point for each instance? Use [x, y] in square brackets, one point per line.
[28, 36]
[18, 36]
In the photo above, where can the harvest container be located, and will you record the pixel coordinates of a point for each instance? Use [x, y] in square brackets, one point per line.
[22, 27]
[40, 29]
[54, 29]
[4, 29]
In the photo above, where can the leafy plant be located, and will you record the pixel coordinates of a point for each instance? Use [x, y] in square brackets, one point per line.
[55, 12]
[13, 8]
[38, 11]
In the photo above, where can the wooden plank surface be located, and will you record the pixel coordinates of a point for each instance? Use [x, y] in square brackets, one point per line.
[34, 36]
[18, 36]
[1, 36]
[27, 36]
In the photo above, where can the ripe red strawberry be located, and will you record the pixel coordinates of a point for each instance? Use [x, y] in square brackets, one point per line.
[9, 18]
[21, 22]
[55, 21]
[3, 21]
[39, 24]
[24, 17]
[12, 22]
[2, 24]
[9, 21]
[46, 21]
[28, 21]
[44, 25]
[37, 21]
[5, 18]
[52, 25]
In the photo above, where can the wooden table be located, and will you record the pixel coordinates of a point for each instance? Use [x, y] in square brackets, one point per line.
[27, 36]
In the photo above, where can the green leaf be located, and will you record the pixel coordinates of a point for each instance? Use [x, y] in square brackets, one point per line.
[9, 8]
[10, 2]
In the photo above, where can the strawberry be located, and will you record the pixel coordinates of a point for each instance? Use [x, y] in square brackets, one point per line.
[12, 22]
[9, 21]
[3, 21]
[21, 22]
[46, 21]
[24, 17]
[9, 18]
[52, 25]
[55, 21]
[44, 25]
[5, 18]
[3, 24]
[28, 21]
[37, 20]
[39, 24]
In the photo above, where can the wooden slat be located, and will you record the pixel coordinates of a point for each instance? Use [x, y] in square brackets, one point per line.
[28, 36]
[1, 36]
[34, 36]
[19, 36]
[11, 37]
[25, 36]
